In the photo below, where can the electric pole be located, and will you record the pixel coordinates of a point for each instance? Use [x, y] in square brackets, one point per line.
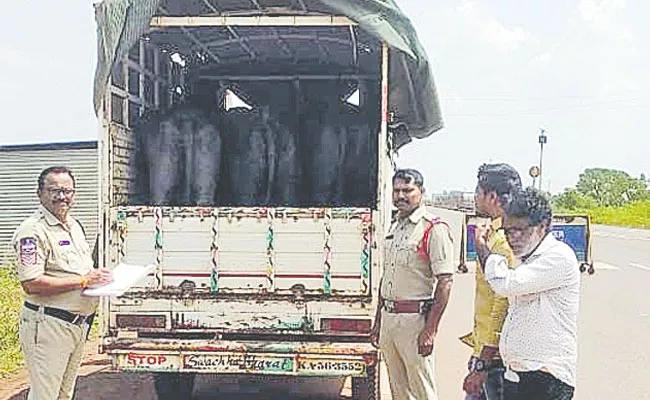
[542, 142]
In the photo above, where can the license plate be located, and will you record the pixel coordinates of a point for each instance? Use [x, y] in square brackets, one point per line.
[330, 366]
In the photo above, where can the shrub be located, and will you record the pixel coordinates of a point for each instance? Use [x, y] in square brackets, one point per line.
[11, 297]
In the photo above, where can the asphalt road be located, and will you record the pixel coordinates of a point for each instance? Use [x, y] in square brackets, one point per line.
[614, 337]
[614, 321]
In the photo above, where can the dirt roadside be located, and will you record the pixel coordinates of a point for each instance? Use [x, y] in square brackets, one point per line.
[15, 387]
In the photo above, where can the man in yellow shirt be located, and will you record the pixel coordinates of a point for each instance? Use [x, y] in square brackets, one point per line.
[496, 185]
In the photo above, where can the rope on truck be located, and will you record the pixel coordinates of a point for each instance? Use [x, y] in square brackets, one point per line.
[270, 250]
[327, 250]
[158, 246]
[365, 253]
[121, 233]
[214, 252]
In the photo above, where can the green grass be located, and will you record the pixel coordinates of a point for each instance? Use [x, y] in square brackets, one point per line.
[11, 299]
[633, 215]
[11, 296]
[94, 329]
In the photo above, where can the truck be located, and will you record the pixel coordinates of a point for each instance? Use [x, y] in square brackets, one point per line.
[246, 151]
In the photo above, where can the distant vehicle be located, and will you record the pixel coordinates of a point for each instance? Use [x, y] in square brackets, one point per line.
[455, 200]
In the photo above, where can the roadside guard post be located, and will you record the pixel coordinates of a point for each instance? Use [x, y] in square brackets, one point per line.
[467, 249]
[575, 230]
[572, 229]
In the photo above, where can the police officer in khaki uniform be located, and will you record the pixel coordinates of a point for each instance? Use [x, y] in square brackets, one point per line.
[54, 265]
[415, 287]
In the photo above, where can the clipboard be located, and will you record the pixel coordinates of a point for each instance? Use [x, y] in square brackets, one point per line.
[125, 276]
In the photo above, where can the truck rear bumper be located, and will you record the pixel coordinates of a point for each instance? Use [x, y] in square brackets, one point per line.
[245, 357]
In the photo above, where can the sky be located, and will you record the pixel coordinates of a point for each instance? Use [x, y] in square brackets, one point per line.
[504, 69]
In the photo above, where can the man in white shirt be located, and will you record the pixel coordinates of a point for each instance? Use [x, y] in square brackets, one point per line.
[538, 342]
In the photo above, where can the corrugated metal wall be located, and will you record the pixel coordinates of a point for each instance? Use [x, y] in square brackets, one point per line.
[19, 170]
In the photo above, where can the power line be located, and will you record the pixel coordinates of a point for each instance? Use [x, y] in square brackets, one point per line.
[565, 108]
[625, 95]
[554, 98]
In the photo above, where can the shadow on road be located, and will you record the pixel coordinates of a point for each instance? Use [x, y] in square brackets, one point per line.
[140, 386]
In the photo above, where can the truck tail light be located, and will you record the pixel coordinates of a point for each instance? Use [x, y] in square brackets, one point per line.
[360, 325]
[140, 321]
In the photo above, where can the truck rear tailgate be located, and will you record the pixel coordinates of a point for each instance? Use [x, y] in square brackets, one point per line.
[256, 270]
[253, 249]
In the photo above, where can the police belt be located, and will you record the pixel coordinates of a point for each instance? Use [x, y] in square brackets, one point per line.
[67, 316]
[407, 306]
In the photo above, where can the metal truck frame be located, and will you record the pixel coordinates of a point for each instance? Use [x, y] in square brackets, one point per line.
[193, 322]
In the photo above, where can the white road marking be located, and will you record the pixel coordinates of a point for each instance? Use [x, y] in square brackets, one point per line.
[640, 266]
[627, 236]
[603, 265]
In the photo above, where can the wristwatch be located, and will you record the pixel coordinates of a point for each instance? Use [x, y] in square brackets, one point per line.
[480, 365]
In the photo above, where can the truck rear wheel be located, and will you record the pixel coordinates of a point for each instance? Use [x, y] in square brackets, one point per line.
[174, 386]
[367, 387]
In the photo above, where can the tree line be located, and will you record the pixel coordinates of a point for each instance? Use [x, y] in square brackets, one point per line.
[602, 187]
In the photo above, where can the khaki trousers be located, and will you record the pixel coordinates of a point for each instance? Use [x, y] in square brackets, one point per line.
[53, 350]
[411, 376]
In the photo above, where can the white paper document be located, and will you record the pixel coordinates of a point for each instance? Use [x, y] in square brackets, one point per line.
[124, 277]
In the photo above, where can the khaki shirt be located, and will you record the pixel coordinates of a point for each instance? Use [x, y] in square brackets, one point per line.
[407, 275]
[45, 246]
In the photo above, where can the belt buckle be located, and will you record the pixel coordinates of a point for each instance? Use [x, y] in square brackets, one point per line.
[424, 306]
[78, 319]
[389, 305]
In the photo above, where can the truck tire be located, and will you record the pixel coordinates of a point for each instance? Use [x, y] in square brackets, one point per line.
[367, 387]
[174, 386]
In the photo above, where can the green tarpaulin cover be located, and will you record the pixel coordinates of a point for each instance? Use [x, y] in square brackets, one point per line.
[412, 91]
